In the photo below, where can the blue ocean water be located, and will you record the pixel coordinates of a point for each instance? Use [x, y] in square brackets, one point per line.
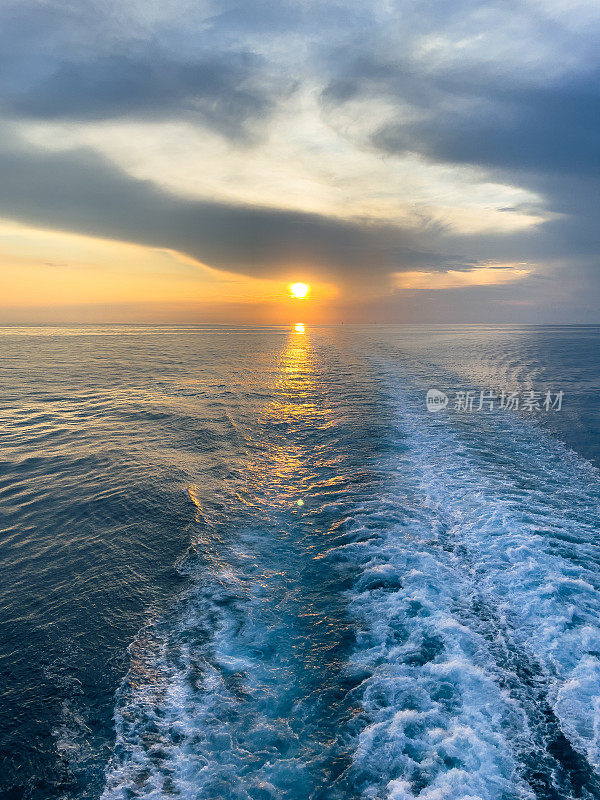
[248, 563]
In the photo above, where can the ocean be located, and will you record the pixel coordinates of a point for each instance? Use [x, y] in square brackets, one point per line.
[250, 563]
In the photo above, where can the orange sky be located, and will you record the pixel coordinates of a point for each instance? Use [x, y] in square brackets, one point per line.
[187, 161]
[58, 276]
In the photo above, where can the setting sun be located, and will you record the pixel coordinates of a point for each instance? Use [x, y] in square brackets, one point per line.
[299, 290]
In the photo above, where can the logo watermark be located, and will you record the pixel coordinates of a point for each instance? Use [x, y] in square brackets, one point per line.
[436, 400]
[489, 400]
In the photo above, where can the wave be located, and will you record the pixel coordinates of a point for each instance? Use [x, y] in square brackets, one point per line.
[489, 587]
[424, 625]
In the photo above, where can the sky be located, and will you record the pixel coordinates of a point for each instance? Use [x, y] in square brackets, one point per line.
[411, 161]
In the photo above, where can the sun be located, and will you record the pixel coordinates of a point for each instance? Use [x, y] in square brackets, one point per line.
[299, 290]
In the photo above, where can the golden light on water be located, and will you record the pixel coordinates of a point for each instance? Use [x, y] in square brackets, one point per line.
[299, 327]
[299, 290]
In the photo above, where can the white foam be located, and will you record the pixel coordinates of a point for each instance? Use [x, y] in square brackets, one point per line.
[438, 725]
[523, 528]
[474, 600]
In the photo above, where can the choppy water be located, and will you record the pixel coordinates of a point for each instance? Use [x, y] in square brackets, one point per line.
[248, 564]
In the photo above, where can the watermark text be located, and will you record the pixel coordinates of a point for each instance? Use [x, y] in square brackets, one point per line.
[490, 400]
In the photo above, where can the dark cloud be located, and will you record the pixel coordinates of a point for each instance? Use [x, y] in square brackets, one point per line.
[81, 192]
[65, 62]
[488, 103]
[544, 129]
[225, 92]
[541, 133]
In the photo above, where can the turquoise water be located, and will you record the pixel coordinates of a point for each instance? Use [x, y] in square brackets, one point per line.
[249, 563]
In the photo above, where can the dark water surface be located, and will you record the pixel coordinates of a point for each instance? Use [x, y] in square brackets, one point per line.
[248, 564]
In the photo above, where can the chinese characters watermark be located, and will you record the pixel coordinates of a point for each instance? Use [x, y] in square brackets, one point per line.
[490, 400]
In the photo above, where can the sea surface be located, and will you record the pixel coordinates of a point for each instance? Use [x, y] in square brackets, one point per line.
[247, 563]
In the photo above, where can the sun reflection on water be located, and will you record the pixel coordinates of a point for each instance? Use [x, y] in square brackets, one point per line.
[289, 422]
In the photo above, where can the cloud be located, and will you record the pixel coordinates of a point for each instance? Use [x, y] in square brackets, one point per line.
[508, 88]
[512, 127]
[226, 92]
[103, 61]
[82, 192]
[386, 138]
[458, 279]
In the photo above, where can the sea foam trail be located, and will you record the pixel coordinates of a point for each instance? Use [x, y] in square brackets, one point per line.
[239, 691]
[419, 628]
[508, 573]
